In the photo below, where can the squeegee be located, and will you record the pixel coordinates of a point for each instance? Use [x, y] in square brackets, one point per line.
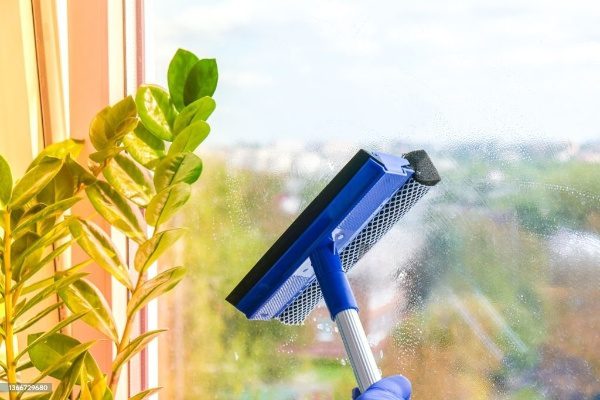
[310, 260]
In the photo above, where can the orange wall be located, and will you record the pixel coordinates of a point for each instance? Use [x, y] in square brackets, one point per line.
[88, 92]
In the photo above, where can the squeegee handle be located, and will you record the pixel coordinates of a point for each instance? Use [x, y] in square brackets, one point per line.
[344, 311]
[358, 349]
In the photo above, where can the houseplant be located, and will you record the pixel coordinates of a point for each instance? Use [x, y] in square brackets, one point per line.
[138, 177]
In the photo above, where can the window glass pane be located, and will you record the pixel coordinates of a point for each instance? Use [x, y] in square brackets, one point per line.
[490, 287]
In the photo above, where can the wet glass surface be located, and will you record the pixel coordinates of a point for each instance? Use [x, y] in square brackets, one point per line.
[490, 287]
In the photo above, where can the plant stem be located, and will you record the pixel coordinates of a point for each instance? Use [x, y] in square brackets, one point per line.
[11, 372]
[114, 376]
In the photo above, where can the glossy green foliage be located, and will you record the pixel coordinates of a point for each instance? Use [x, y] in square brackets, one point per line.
[199, 110]
[5, 183]
[34, 181]
[54, 354]
[190, 137]
[154, 287]
[83, 296]
[153, 248]
[69, 148]
[129, 179]
[190, 78]
[143, 164]
[166, 203]
[181, 167]
[112, 124]
[145, 394]
[134, 347]
[201, 81]
[96, 243]
[179, 69]
[156, 110]
[115, 209]
[144, 147]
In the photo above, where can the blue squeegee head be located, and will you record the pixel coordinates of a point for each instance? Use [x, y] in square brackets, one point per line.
[397, 206]
[355, 210]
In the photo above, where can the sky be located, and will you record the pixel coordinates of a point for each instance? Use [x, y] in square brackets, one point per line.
[419, 71]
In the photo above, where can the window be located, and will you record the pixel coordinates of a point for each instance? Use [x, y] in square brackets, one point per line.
[489, 288]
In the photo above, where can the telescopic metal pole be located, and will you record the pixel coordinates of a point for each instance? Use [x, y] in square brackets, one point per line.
[344, 311]
[358, 349]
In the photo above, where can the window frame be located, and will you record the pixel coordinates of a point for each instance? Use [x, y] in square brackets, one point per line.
[88, 55]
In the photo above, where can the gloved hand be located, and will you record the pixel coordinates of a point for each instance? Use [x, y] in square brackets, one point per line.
[394, 387]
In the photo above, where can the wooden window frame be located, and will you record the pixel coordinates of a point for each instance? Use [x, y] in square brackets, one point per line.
[93, 61]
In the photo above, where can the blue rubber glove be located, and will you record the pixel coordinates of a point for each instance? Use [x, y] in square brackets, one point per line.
[394, 387]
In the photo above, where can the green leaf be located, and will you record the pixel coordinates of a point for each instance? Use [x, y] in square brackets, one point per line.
[153, 248]
[129, 180]
[145, 394]
[31, 321]
[116, 210]
[31, 256]
[105, 154]
[20, 246]
[84, 393]
[108, 395]
[70, 378]
[112, 123]
[5, 183]
[153, 288]
[64, 281]
[66, 183]
[199, 110]
[134, 347]
[30, 267]
[69, 147]
[98, 386]
[35, 180]
[82, 295]
[55, 354]
[50, 237]
[18, 216]
[25, 366]
[65, 322]
[43, 283]
[156, 110]
[144, 147]
[190, 138]
[166, 203]
[99, 247]
[201, 80]
[180, 167]
[51, 211]
[180, 66]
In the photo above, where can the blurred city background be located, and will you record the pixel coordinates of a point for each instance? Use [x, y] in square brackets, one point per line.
[490, 287]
